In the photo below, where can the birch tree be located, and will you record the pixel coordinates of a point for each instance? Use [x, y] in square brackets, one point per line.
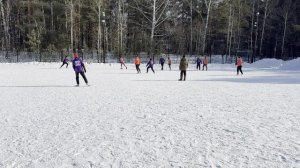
[5, 20]
[285, 13]
[266, 8]
[156, 18]
[99, 34]
[208, 4]
[70, 8]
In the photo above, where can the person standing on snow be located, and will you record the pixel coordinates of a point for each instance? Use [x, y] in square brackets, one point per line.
[150, 65]
[198, 61]
[183, 67]
[137, 62]
[79, 68]
[65, 61]
[205, 62]
[122, 61]
[162, 62]
[169, 62]
[239, 64]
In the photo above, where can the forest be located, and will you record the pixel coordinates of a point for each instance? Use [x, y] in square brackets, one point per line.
[253, 28]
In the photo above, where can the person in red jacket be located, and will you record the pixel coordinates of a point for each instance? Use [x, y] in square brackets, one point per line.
[239, 64]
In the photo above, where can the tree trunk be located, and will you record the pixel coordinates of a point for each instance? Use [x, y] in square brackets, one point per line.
[72, 24]
[252, 24]
[153, 28]
[52, 21]
[239, 25]
[263, 29]
[99, 31]
[228, 32]
[4, 22]
[284, 33]
[208, 6]
[231, 30]
[191, 42]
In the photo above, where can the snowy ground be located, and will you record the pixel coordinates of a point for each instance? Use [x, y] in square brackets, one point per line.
[124, 119]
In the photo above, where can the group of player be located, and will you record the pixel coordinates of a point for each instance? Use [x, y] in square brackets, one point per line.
[182, 66]
[79, 66]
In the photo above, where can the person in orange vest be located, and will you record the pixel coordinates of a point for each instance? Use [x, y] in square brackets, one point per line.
[205, 62]
[137, 62]
[239, 64]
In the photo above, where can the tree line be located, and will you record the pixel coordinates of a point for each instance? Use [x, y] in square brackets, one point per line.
[255, 28]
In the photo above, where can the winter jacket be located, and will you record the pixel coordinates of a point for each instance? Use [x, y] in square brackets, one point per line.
[137, 61]
[169, 62]
[183, 64]
[161, 60]
[65, 60]
[121, 60]
[205, 61]
[78, 65]
[239, 62]
[149, 64]
[198, 61]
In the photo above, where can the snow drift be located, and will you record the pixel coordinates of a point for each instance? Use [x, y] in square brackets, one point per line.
[291, 65]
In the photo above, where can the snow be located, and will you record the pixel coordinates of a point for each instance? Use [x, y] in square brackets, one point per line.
[291, 65]
[214, 119]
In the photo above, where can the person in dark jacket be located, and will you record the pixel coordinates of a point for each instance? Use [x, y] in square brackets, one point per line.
[65, 61]
[169, 62]
[198, 61]
[162, 62]
[150, 65]
[183, 67]
[79, 68]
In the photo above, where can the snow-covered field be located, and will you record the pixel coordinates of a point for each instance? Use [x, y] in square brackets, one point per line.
[214, 119]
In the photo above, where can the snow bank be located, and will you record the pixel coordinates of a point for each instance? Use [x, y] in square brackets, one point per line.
[268, 64]
[291, 65]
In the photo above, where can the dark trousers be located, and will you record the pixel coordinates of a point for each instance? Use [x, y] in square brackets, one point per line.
[182, 74]
[204, 65]
[151, 69]
[137, 66]
[83, 76]
[198, 66]
[239, 69]
[64, 64]
[162, 66]
[122, 65]
[170, 66]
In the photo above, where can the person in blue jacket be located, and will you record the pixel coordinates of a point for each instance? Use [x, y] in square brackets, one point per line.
[79, 68]
[150, 65]
[199, 62]
[162, 62]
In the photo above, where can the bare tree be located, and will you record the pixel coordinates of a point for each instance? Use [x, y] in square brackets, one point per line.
[285, 12]
[98, 10]
[157, 17]
[208, 4]
[5, 20]
[70, 6]
[263, 27]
